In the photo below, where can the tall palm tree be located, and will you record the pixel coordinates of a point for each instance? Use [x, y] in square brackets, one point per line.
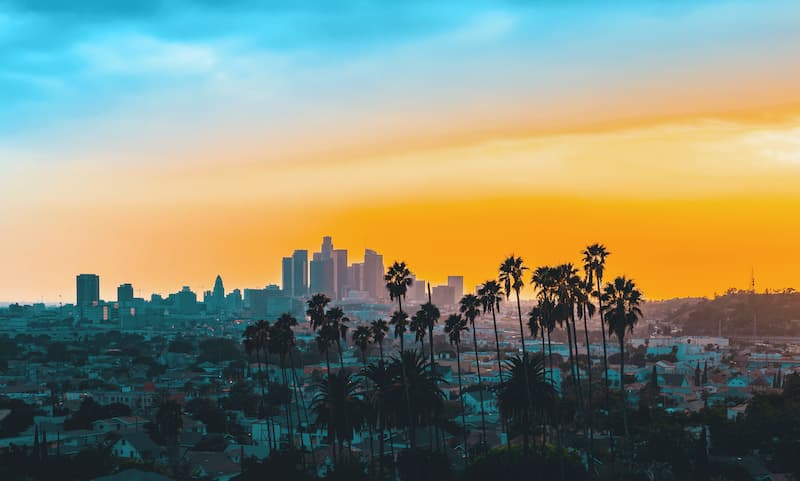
[491, 296]
[380, 401]
[511, 276]
[544, 279]
[398, 280]
[566, 288]
[256, 340]
[470, 307]
[379, 328]
[594, 263]
[418, 327]
[454, 326]
[338, 321]
[326, 338]
[427, 316]
[585, 309]
[338, 408]
[315, 311]
[621, 299]
[362, 337]
[282, 342]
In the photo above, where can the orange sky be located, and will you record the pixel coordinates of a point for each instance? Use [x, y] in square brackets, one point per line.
[686, 206]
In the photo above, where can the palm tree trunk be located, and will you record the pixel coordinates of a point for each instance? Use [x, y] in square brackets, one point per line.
[605, 359]
[339, 349]
[263, 400]
[480, 387]
[590, 416]
[412, 435]
[622, 391]
[302, 405]
[524, 371]
[461, 398]
[544, 420]
[578, 385]
[500, 372]
[288, 405]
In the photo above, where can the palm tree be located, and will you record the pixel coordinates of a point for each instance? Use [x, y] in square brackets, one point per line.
[338, 321]
[594, 262]
[490, 296]
[621, 300]
[316, 310]
[470, 307]
[398, 280]
[567, 283]
[362, 337]
[326, 338]
[511, 276]
[510, 393]
[454, 326]
[169, 421]
[426, 318]
[338, 408]
[379, 329]
[282, 342]
[256, 340]
[418, 327]
[380, 401]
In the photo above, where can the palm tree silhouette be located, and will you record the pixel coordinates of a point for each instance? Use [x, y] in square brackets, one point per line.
[379, 328]
[594, 262]
[338, 408]
[398, 280]
[282, 342]
[470, 307]
[380, 401]
[621, 300]
[454, 326]
[337, 321]
[256, 340]
[362, 337]
[491, 296]
[510, 393]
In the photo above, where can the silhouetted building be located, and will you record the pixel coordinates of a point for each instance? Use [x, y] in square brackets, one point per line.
[417, 292]
[354, 277]
[186, 301]
[340, 272]
[372, 274]
[322, 276]
[300, 273]
[327, 247]
[443, 295]
[457, 283]
[287, 276]
[124, 293]
[88, 289]
[233, 301]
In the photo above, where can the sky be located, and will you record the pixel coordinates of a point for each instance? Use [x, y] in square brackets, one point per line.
[164, 142]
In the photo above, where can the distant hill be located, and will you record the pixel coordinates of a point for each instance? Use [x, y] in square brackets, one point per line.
[776, 313]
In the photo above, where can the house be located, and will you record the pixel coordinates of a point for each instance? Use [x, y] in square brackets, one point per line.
[137, 447]
[212, 465]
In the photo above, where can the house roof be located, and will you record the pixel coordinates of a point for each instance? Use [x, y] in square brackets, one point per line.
[134, 475]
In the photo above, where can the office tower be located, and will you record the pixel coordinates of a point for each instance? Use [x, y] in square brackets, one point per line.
[321, 275]
[186, 301]
[327, 247]
[300, 273]
[88, 289]
[287, 271]
[372, 274]
[457, 283]
[124, 293]
[218, 294]
[417, 292]
[354, 277]
[233, 301]
[340, 272]
[444, 296]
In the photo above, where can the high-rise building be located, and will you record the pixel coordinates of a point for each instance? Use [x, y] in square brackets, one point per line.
[287, 271]
[443, 296]
[218, 295]
[186, 301]
[300, 273]
[457, 283]
[322, 276]
[327, 247]
[372, 274]
[88, 289]
[354, 277]
[124, 293]
[417, 292]
[340, 272]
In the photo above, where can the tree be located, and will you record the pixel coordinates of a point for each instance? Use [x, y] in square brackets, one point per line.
[398, 280]
[454, 326]
[490, 296]
[338, 408]
[513, 401]
[470, 307]
[362, 337]
[621, 300]
[379, 328]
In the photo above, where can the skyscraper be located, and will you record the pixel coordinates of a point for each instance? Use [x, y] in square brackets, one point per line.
[340, 272]
[88, 289]
[124, 293]
[327, 247]
[300, 273]
[287, 270]
[322, 276]
[372, 274]
[218, 295]
[457, 283]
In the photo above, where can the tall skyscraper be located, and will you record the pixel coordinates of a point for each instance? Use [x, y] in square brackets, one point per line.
[287, 271]
[443, 295]
[300, 273]
[340, 272]
[373, 274]
[321, 276]
[327, 247]
[218, 295]
[186, 301]
[457, 283]
[88, 289]
[124, 293]
[354, 277]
